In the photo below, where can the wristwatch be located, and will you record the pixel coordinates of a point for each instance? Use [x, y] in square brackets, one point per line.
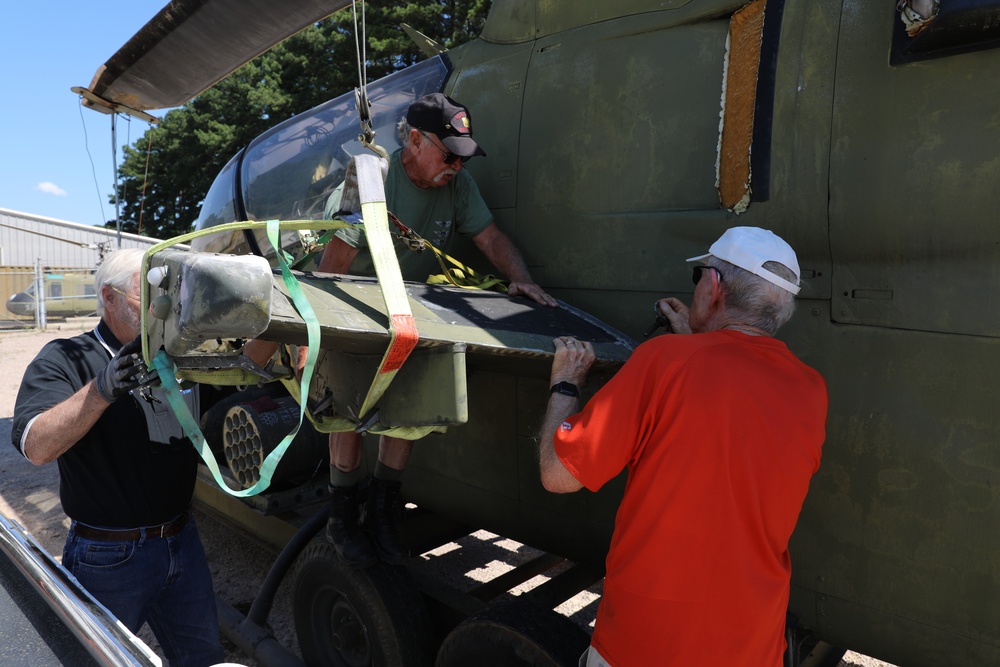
[565, 388]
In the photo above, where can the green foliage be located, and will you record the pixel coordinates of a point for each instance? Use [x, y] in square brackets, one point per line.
[192, 143]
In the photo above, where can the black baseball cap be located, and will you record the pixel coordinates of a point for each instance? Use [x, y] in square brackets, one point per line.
[446, 118]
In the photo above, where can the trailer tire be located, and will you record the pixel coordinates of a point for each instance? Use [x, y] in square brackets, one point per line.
[515, 633]
[350, 617]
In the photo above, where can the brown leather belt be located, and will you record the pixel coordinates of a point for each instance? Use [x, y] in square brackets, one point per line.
[168, 529]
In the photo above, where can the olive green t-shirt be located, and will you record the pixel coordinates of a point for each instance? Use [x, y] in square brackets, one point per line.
[436, 214]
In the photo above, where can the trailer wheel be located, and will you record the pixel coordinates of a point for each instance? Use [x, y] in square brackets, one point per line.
[514, 633]
[346, 617]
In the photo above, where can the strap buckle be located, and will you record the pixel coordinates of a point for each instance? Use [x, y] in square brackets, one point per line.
[367, 136]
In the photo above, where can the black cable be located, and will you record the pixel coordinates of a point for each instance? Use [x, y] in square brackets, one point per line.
[93, 169]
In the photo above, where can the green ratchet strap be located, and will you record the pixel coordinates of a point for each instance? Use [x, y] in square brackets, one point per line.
[167, 373]
[166, 370]
[315, 250]
[403, 335]
[228, 227]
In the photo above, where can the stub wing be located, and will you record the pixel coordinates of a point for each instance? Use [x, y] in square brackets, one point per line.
[204, 306]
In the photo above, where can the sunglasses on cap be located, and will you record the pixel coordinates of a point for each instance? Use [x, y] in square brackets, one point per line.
[449, 157]
[696, 275]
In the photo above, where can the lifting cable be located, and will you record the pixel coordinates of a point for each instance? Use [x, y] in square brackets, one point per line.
[114, 163]
[361, 102]
[145, 178]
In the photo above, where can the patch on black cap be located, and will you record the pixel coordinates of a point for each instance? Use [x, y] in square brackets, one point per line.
[446, 118]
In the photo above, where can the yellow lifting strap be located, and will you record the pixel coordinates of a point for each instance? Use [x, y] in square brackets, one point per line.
[403, 335]
[457, 274]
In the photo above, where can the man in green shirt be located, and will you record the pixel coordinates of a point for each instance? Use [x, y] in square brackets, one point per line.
[430, 192]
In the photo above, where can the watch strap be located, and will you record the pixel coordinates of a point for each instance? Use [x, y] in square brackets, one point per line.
[565, 388]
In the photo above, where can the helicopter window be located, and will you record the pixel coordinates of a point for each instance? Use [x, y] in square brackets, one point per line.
[927, 29]
[290, 171]
[219, 208]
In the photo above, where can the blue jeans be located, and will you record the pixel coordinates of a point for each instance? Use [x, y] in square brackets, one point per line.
[163, 581]
[591, 658]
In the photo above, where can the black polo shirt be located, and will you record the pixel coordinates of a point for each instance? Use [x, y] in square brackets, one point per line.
[115, 476]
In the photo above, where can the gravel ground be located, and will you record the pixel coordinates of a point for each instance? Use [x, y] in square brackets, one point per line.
[239, 564]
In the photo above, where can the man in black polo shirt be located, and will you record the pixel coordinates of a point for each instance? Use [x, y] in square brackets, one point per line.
[126, 473]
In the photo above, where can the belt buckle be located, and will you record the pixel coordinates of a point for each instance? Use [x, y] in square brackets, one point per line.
[163, 527]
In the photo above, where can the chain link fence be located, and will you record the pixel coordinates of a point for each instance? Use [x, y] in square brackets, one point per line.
[35, 296]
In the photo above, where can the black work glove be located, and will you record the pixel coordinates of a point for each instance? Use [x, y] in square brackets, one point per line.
[126, 371]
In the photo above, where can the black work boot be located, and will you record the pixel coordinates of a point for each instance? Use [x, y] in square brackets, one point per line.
[382, 517]
[343, 530]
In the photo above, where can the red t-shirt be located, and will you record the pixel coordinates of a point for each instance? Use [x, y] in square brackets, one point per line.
[721, 433]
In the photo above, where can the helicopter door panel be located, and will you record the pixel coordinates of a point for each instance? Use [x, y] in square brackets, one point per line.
[494, 92]
[619, 120]
[620, 131]
[913, 175]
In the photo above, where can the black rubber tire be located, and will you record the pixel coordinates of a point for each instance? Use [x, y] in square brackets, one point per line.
[348, 617]
[514, 633]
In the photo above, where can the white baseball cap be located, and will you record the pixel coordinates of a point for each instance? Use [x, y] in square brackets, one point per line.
[749, 248]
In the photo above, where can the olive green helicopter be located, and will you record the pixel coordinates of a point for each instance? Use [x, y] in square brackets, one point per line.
[622, 137]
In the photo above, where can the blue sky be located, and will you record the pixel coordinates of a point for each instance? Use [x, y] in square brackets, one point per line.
[46, 48]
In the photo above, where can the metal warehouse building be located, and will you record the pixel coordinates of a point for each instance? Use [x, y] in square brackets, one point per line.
[26, 240]
[46, 267]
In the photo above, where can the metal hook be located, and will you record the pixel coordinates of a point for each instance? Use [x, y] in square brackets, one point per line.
[367, 136]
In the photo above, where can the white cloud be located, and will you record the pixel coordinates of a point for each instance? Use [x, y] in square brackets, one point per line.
[51, 188]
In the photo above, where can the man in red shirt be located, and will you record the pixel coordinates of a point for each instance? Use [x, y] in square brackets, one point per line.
[721, 433]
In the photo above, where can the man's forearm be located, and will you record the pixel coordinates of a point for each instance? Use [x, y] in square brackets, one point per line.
[555, 476]
[337, 257]
[503, 254]
[60, 427]
[570, 364]
[508, 259]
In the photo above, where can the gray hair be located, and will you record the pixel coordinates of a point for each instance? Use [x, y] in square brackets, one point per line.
[403, 131]
[118, 270]
[752, 299]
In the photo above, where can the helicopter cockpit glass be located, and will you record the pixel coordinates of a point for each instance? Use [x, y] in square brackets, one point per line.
[290, 172]
[219, 208]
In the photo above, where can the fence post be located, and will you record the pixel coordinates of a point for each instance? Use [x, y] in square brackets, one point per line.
[40, 322]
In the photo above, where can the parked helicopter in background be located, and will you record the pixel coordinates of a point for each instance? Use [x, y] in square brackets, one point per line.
[66, 294]
[871, 151]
